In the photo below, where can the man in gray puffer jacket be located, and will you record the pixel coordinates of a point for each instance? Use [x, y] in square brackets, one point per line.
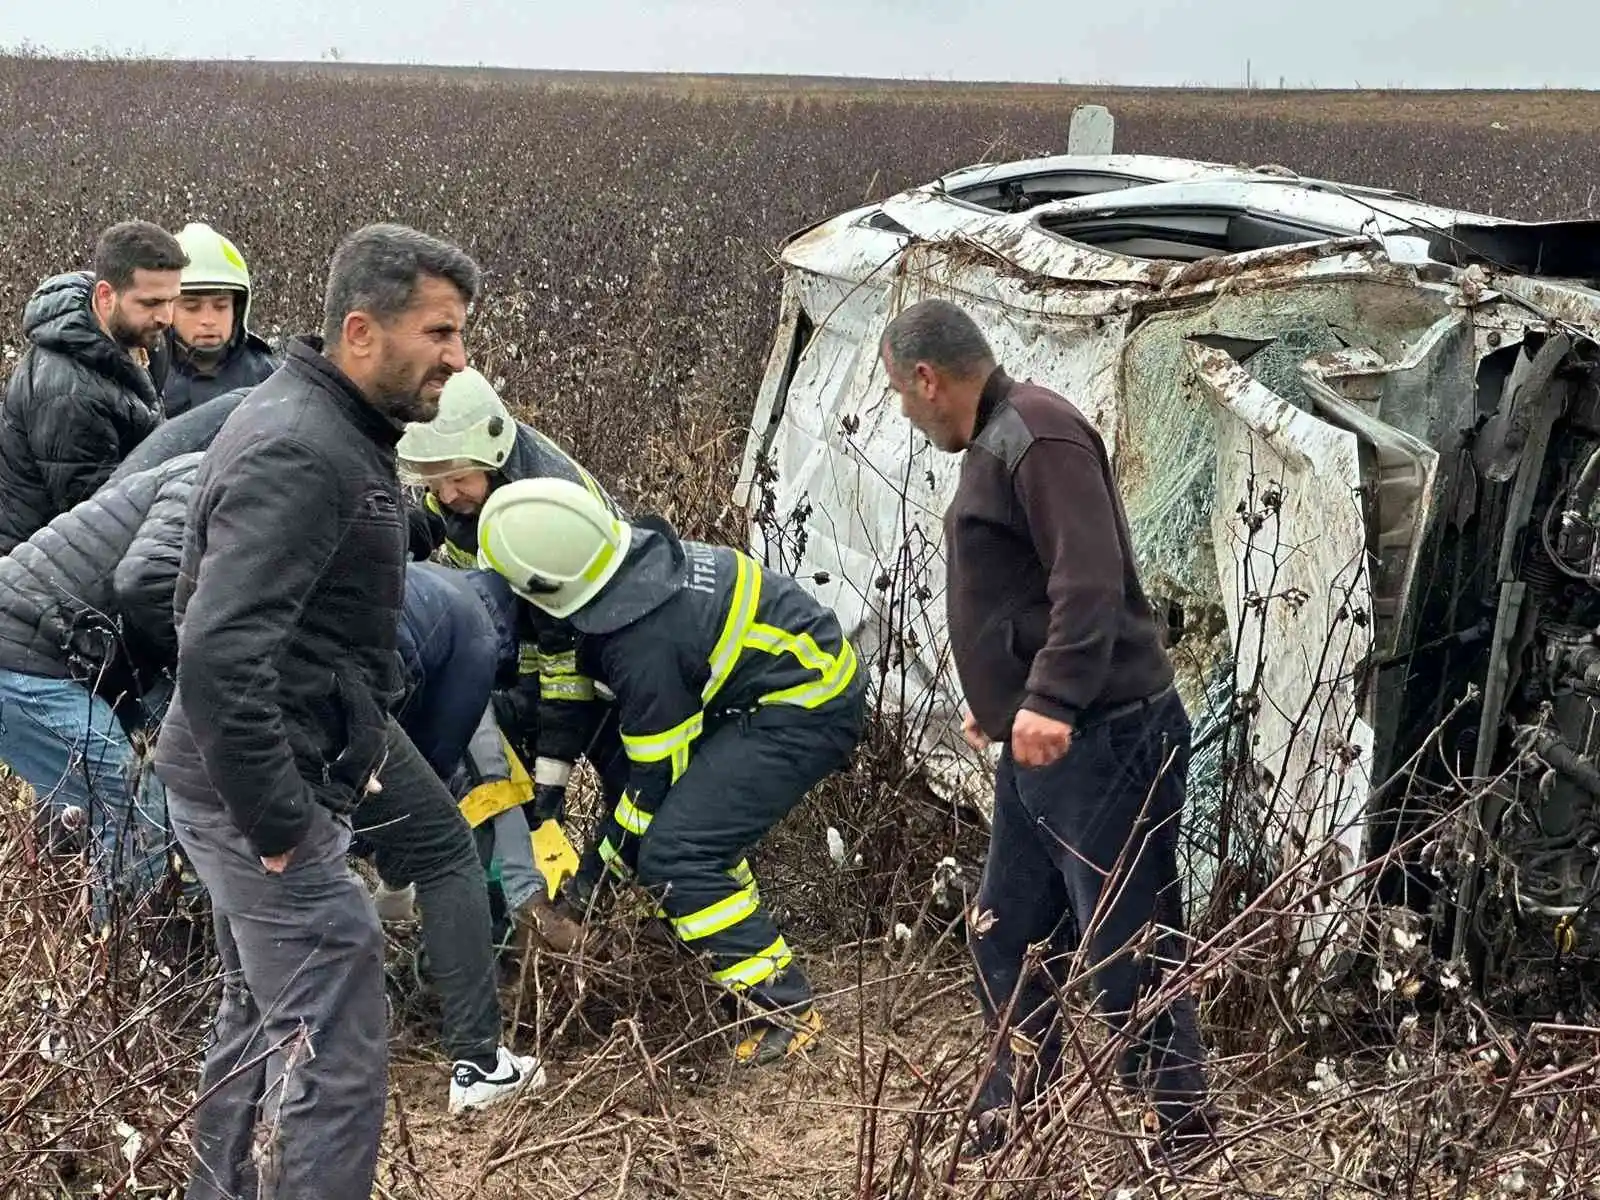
[85, 639]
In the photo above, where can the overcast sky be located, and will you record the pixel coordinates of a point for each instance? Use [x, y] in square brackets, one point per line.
[1413, 43]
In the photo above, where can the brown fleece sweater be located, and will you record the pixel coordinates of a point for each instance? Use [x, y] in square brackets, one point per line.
[1045, 607]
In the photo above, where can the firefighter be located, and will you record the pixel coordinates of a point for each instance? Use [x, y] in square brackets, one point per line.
[551, 714]
[213, 349]
[736, 692]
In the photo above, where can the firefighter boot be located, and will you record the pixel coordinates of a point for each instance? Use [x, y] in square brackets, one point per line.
[775, 1038]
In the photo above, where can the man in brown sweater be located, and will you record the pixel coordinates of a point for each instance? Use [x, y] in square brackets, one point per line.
[1061, 658]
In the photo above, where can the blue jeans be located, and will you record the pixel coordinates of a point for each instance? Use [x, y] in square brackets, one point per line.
[67, 743]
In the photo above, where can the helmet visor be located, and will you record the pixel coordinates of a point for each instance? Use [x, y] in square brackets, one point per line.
[425, 473]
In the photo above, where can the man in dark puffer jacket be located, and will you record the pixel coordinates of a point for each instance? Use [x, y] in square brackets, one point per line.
[85, 633]
[88, 389]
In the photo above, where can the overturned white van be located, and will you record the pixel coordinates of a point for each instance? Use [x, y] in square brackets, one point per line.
[1358, 438]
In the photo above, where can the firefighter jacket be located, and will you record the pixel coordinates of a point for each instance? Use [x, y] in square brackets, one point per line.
[688, 635]
[549, 710]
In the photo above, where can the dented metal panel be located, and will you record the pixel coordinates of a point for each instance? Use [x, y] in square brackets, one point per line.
[1290, 542]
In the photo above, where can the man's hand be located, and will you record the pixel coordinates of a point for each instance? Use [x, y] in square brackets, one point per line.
[276, 864]
[1038, 740]
[976, 737]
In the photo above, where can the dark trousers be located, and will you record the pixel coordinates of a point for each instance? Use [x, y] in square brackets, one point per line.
[745, 775]
[419, 836]
[299, 1038]
[1089, 845]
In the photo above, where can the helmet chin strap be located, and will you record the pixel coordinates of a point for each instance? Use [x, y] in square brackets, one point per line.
[205, 359]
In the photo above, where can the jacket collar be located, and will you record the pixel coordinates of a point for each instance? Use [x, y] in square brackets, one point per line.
[306, 360]
[60, 317]
[995, 390]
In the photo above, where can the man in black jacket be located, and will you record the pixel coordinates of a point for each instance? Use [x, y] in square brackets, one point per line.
[86, 626]
[85, 635]
[1062, 660]
[288, 608]
[88, 388]
[213, 348]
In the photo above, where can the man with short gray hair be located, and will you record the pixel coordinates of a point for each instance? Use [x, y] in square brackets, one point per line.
[288, 604]
[1062, 660]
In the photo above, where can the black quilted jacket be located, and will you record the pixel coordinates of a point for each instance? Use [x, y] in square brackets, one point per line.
[76, 404]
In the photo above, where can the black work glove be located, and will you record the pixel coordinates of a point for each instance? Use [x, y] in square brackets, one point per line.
[424, 532]
[549, 803]
[516, 711]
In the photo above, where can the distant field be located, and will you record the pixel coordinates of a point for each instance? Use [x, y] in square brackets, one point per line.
[1556, 110]
[628, 222]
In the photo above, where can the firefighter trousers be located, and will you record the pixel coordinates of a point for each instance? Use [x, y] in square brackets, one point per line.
[747, 771]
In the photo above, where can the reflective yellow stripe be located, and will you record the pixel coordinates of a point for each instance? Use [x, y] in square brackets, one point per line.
[612, 857]
[714, 918]
[657, 747]
[529, 660]
[835, 671]
[814, 695]
[559, 678]
[779, 641]
[459, 557]
[741, 874]
[563, 663]
[632, 818]
[741, 615]
[576, 688]
[753, 970]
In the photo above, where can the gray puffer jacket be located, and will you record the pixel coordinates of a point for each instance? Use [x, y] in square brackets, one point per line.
[89, 596]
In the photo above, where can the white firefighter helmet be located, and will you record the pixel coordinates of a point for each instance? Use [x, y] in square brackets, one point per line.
[555, 543]
[215, 265]
[472, 431]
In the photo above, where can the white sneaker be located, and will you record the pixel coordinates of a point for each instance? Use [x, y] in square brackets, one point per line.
[473, 1087]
